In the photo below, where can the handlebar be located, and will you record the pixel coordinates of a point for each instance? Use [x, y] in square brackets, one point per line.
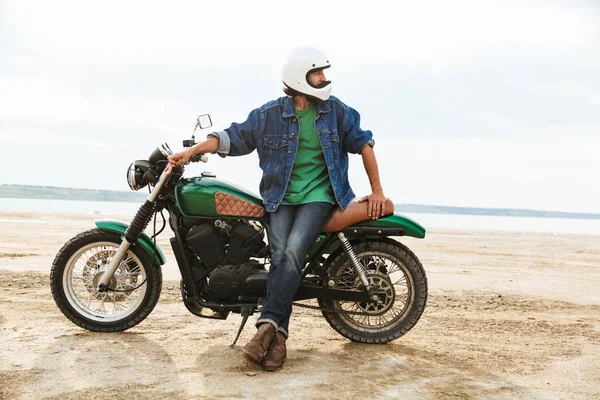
[199, 158]
[189, 142]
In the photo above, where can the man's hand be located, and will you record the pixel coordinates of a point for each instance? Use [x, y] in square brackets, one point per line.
[209, 145]
[180, 158]
[376, 204]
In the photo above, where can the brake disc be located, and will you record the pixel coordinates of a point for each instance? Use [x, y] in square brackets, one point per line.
[95, 267]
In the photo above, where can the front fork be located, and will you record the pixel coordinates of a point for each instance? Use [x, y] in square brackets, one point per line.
[134, 230]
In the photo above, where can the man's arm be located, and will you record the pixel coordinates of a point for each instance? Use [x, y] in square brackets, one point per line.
[240, 138]
[209, 145]
[376, 200]
[354, 138]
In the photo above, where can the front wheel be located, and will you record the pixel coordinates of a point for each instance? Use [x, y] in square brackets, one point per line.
[391, 268]
[133, 291]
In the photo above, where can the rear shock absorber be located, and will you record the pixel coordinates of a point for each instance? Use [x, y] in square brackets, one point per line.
[360, 269]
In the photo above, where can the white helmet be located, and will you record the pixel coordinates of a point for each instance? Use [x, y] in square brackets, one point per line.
[301, 62]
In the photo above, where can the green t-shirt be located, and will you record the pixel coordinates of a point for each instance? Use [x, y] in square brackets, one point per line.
[309, 181]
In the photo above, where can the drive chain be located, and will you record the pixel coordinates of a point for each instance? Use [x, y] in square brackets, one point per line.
[301, 305]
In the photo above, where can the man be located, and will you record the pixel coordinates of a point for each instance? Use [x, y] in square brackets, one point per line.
[303, 141]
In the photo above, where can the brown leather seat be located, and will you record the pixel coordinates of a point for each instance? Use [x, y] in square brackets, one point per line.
[353, 214]
[227, 204]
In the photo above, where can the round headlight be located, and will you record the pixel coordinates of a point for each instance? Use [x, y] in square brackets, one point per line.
[135, 174]
[161, 153]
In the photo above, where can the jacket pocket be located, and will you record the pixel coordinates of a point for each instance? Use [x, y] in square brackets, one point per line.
[276, 149]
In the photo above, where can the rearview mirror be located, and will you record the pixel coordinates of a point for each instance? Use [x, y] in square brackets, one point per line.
[204, 121]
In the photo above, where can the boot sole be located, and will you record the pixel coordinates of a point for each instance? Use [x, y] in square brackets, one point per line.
[274, 368]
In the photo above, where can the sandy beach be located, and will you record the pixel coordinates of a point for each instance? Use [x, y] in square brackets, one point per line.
[510, 316]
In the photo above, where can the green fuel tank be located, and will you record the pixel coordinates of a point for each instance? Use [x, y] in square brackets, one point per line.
[209, 197]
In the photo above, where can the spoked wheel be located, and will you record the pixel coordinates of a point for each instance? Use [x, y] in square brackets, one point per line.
[392, 270]
[133, 292]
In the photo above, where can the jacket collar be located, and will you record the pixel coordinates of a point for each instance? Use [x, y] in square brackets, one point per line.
[323, 107]
[288, 107]
[289, 110]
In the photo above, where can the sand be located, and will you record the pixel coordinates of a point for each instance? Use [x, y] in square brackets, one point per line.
[509, 316]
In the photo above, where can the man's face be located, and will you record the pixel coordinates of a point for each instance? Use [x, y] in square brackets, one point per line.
[317, 78]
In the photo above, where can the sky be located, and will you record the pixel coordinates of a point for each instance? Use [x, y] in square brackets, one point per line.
[471, 103]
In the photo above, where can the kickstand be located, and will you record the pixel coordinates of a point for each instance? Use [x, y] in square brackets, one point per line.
[246, 312]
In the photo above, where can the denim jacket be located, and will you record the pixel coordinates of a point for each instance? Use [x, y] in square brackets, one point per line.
[273, 130]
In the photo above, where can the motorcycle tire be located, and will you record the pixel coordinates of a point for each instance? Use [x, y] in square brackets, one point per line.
[392, 269]
[134, 288]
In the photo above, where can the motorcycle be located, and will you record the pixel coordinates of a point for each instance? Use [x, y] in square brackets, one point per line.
[369, 287]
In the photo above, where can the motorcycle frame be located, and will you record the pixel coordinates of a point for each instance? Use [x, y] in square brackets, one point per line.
[162, 197]
[195, 303]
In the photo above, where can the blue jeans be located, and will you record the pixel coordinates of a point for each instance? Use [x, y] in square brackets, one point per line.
[293, 230]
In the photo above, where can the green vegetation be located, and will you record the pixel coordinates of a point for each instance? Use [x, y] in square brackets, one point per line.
[50, 192]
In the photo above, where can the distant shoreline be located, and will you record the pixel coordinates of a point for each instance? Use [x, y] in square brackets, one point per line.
[499, 212]
[59, 193]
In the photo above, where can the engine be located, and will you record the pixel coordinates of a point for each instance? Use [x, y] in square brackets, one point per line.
[225, 249]
[207, 244]
[218, 243]
[229, 282]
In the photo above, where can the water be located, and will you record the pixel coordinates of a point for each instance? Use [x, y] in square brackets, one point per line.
[429, 221]
[76, 206]
[509, 224]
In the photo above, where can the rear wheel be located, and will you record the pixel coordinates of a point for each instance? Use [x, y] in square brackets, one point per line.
[392, 269]
[133, 292]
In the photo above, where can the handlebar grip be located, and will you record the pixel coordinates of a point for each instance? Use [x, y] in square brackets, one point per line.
[199, 158]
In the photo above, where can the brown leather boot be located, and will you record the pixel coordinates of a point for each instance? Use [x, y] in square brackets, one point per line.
[257, 346]
[276, 355]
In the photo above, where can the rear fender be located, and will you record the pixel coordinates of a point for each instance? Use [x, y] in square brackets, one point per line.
[144, 241]
[389, 226]
[396, 221]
